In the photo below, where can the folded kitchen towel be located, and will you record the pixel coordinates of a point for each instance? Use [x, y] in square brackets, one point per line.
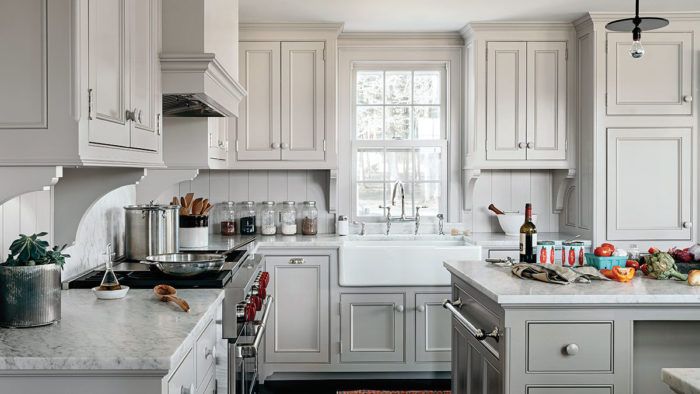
[556, 273]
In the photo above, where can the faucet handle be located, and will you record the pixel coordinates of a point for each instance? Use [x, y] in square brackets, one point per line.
[363, 230]
[388, 209]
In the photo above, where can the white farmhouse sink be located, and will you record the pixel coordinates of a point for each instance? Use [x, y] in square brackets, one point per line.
[401, 260]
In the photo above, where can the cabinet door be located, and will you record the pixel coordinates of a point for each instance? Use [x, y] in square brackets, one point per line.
[259, 121]
[649, 184]
[372, 327]
[432, 328]
[108, 72]
[659, 83]
[472, 367]
[546, 100]
[299, 325]
[145, 73]
[218, 138]
[303, 101]
[506, 97]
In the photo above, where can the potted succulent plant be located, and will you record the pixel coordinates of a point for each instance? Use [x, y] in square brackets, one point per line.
[30, 283]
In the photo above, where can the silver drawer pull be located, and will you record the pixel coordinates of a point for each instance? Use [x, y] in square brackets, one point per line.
[478, 333]
[571, 349]
[251, 350]
[296, 260]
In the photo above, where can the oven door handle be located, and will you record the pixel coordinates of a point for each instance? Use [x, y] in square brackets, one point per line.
[249, 350]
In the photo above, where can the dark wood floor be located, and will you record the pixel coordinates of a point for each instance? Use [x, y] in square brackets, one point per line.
[333, 386]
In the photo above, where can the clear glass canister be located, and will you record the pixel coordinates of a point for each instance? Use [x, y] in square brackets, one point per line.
[288, 218]
[267, 218]
[309, 223]
[226, 216]
[246, 218]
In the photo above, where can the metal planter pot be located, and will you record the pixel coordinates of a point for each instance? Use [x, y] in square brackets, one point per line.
[30, 296]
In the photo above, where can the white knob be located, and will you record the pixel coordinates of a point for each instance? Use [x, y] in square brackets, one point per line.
[688, 99]
[399, 308]
[275, 145]
[529, 145]
[687, 224]
[571, 349]
[284, 145]
[521, 145]
[421, 308]
[187, 390]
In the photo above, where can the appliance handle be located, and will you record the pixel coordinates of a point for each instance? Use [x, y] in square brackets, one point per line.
[251, 349]
[476, 332]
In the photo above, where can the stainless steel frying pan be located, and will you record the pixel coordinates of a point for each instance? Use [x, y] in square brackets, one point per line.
[186, 264]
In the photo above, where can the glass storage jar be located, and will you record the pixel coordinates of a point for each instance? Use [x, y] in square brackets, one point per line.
[246, 218]
[267, 218]
[226, 216]
[288, 218]
[309, 223]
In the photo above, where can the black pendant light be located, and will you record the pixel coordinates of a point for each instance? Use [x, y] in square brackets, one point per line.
[636, 25]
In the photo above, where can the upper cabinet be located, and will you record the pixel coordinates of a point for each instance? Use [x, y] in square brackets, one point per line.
[287, 119]
[631, 88]
[87, 79]
[517, 96]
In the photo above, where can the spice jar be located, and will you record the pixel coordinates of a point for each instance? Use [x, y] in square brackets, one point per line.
[226, 215]
[246, 218]
[309, 223]
[267, 218]
[288, 218]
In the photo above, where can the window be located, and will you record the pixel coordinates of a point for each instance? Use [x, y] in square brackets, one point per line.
[399, 135]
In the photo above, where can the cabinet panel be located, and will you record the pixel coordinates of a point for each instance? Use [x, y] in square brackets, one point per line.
[506, 101]
[570, 390]
[23, 43]
[546, 100]
[472, 370]
[218, 138]
[183, 377]
[145, 74]
[303, 82]
[108, 72]
[372, 327]
[299, 324]
[591, 343]
[659, 83]
[259, 122]
[432, 328]
[649, 184]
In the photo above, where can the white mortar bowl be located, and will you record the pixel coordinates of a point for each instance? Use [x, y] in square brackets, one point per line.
[511, 221]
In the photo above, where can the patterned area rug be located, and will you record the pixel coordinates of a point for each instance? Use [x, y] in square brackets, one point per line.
[393, 392]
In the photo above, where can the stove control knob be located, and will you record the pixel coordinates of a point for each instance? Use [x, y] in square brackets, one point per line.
[250, 312]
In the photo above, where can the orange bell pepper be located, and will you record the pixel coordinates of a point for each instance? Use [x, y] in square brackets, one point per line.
[623, 274]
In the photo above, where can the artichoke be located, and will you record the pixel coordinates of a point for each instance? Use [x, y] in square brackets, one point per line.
[662, 266]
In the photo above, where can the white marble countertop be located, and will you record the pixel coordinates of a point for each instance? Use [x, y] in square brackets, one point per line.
[501, 240]
[137, 332]
[682, 380]
[500, 285]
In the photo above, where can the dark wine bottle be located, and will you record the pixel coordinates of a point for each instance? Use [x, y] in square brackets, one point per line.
[528, 238]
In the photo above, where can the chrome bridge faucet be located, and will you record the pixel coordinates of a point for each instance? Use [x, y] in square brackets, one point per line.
[399, 188]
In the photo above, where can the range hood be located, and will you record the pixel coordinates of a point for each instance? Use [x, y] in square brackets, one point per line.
[199, 58]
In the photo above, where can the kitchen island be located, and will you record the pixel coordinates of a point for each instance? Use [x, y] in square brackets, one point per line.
[134, 345]
[601, 337]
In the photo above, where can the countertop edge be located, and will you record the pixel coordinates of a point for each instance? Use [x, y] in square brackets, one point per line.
[683, 384]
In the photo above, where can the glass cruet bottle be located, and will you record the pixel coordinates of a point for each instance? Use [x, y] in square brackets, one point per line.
[109, 280]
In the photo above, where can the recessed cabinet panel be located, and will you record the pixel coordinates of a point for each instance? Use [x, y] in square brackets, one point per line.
[259, 122]
[649, 184]
[302, 101]
[108, 72]
[23, 43]
[432, 328]
[145, 74]
[659, 83]
[546, 102]
[218, 138]
[506, 101]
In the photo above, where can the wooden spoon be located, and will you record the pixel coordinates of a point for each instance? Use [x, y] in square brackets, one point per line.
[197, 206]
[188, 199]
[167, 293]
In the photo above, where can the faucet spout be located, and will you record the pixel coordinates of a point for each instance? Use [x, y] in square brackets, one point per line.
[398, 187]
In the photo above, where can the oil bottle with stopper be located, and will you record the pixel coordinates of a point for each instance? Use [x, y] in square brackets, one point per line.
[109, 280]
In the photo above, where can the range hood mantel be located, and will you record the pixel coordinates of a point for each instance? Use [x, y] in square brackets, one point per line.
[196, 84]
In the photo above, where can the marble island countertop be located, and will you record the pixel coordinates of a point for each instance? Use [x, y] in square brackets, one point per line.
[682, 380]
[500, 285]
[137, 332]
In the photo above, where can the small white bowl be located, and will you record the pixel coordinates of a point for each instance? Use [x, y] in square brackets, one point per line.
[511, 221]
[110, 294]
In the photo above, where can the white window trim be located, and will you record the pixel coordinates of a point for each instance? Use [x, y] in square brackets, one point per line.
[442, 143]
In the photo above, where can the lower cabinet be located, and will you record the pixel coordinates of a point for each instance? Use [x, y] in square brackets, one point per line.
[473, 368]
[372, 327]
[432, 328]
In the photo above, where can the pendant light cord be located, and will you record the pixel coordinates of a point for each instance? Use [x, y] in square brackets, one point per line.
[637, 19]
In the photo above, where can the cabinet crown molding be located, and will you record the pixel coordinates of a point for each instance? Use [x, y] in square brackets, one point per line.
[335, 27]
[400, 39]
[473, 27]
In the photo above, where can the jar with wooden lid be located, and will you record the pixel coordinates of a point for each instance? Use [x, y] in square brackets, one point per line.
[288, 218]
[309, 221]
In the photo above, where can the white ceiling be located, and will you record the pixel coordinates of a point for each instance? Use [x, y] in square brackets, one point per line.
[437, 15]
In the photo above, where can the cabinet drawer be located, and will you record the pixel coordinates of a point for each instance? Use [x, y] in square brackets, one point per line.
[569, 347]
[205, 352]
[570, 390]
[183, 377]
[478, 314]
[210, 387]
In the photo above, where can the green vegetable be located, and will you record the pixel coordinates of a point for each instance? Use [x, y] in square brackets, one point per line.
[30, 250]
[662, 266]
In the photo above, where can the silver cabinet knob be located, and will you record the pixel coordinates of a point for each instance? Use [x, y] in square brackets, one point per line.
[208, 352]
[420, 308]
[530, 145]
[296, 260]
[284, 145]
[275, 145]
[521, 145]
[571, 349]
[399, 308]
[187, 390]
[687, 224]
[139, 116]
[688, 99]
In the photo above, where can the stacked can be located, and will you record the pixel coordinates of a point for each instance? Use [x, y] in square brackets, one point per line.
[573, 254]
[545, 252]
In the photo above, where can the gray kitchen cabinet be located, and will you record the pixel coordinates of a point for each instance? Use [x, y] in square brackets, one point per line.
[660, 210]
[372, 327]
[670, 63]
[474, 370]
[298, 330]
[432, 328]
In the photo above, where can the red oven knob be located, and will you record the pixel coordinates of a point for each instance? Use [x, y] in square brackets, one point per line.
[264, 279]
[257, 301]
[250, 311]
[262, 292]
